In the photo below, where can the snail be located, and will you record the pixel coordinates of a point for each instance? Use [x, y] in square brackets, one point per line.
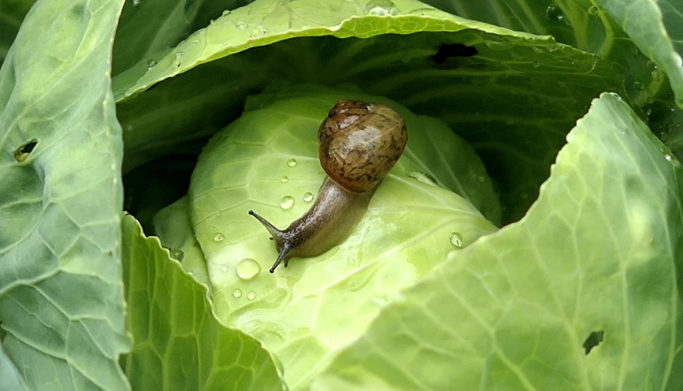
[359, 143]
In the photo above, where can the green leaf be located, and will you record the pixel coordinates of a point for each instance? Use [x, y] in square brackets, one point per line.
[12, 12]
[594, 259]
[655, 27]
[179, 344]
[149, 28]
[268, 161]
[503, 96]
[9, 377]
[61, 297]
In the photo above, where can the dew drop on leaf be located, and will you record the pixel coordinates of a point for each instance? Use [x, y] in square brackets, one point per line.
[226, 12]
[178, 255]
[284, 179]
[456, 239]
[291, 162]
[593, 10]
[224, 268]
[237, 293]
[240, 25]
[308, 197]
[218, 237]
[151, 64]
[287, 202]
[251, 295]
[248, 269]
[638, 85]
[381, 8]
[553, 13]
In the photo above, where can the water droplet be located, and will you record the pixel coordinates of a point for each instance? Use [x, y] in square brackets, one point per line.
[240, 25]
[284, 179]
[251, 295]
[178, 255]
[179, 54]
[308, 197]
[381, 8]
[259, 32]
[237, 293]
[291, 162]
[225, 285]
[211, 21]
[593, 10]
[668, 157]
[638, 85]
[553, 13]
[535, 65]
[136, 3]
[287, 202]
[226, 12]
[151, 64]
[456, 239]
[218, 237]
[224, 268]
[195, 41]
[177, 64]
[248, 269]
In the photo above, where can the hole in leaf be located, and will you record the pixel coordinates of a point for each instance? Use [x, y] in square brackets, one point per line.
[25, 150]
[593, 340]
[447, 51]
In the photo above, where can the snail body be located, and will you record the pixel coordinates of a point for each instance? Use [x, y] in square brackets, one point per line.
[359, 143]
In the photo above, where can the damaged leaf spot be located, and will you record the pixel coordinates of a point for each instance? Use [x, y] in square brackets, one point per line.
[22, 153]
[447, 51]
[593, 340]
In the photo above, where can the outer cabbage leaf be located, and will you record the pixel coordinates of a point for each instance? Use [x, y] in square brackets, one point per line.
[581, 294]
[179, 344]
[267, 160]
[9, 376]
[656, 28]
[61, 297]
[149, 28]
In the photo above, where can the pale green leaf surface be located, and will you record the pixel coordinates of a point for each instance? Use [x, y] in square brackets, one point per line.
[304, 312]
[644, 22]
[173, 228]
[179, 344]
[61, 297]
[9, 377]
[596, 252]
[507, 101]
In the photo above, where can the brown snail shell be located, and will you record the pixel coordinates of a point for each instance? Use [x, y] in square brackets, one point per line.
[360, 143]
